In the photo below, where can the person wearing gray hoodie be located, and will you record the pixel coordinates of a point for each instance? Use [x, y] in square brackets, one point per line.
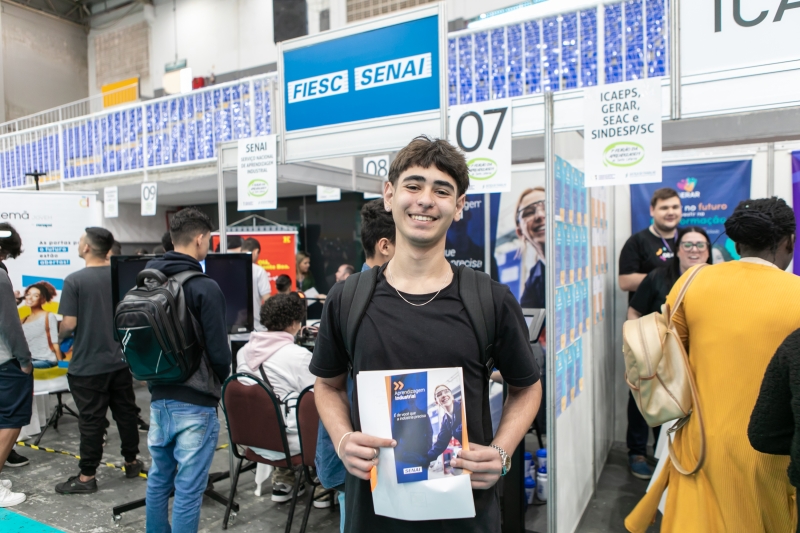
[16, 371]
[274, 354]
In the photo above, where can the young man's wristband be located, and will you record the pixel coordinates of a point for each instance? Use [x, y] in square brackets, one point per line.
[339, 455]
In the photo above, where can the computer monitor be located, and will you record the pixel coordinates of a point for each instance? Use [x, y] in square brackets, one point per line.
[232, 272]
[234, 275]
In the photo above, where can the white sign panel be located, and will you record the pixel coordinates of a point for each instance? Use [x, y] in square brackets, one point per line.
[730, 34]
[149, 198]
[376, 166]
[622, 133]
[257, 181]
[328, 194]
[50, 225]
[483, 132]
[111, 202]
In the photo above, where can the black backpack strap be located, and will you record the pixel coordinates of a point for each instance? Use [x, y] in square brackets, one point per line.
[356, 295]
[186, 275]
[475, 290]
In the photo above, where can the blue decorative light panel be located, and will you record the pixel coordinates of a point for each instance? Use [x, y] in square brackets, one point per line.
[516, 86]
[465, 83]
[569, 51]
[634, 40]
[656, 38]
[588, 25]
[481, 66]
[550, 55]
[613, 43]
[452, 72]
[533, 57]
[498, 43]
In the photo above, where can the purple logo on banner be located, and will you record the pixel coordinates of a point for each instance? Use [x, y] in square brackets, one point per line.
[796, 203]
[709, 193]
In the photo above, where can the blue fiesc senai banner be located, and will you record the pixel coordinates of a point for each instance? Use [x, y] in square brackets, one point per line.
[379, 73]
[709, 193]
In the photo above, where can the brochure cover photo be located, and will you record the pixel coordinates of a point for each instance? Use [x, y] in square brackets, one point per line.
[429, 423]
[423, 410]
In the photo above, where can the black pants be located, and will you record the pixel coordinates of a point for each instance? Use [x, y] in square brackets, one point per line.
[93, 396]
[638, 430]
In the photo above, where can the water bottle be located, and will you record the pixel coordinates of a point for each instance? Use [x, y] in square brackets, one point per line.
[530, 489]
[541, 459]
[528, 461]
[541, 485]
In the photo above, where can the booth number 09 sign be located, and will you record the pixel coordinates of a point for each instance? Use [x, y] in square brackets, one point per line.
[483, 132]
[149, 198]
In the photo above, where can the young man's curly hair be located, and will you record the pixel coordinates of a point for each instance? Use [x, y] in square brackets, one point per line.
[281, 311]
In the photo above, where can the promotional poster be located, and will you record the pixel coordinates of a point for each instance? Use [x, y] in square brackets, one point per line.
[709, 193]
[50, 225]
[277, 254]
[429, 423]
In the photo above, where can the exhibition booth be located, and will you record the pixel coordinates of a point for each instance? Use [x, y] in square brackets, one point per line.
[336, 121]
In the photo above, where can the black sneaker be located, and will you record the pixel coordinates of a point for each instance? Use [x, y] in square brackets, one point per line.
[133, 469]
[74, 485]
[144, 427]
[16, 460]
[281, 492]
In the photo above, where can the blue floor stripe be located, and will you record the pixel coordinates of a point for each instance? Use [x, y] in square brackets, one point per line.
[11, 522]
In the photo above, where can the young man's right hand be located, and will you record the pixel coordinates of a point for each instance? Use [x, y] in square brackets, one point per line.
[359, 453]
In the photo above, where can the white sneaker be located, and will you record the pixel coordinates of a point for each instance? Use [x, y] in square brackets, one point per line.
[8, 498]
[5, 483]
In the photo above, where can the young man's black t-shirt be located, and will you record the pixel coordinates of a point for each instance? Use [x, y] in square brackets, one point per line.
[644, 252]
[396, 335]
[653, 292]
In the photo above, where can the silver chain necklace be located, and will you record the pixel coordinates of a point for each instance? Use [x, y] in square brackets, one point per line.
[391, 280]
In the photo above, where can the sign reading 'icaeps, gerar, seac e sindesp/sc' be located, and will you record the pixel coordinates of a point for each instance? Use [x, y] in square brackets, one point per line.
[622, 133]
[257, 178]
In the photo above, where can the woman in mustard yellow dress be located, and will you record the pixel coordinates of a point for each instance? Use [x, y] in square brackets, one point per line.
[733, 318]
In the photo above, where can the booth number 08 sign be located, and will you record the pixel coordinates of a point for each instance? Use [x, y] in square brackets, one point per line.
[483, 132]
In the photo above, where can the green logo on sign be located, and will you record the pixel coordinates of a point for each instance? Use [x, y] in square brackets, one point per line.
[623, 154]
[257, 188]
[481, 168]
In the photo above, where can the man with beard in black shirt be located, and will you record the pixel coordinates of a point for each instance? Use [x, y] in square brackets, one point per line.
[416, 319]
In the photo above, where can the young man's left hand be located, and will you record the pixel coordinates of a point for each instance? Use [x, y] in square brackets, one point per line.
[484, 462]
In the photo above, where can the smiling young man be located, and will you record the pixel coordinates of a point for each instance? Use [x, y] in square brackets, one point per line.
[644, 252]
[416, 319]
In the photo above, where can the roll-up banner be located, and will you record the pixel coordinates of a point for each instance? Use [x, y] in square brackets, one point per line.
[709, 193]
[796, 203]
[50, 225]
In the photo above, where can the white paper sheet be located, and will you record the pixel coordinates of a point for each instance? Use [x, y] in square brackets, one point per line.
[447, 497]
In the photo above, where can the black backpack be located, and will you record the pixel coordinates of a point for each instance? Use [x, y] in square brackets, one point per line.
[475, 291]
[157, 332]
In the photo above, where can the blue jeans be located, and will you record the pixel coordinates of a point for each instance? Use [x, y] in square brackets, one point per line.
[182, 439]
[38, 363]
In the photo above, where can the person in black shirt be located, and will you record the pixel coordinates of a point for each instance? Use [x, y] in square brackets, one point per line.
[693, 248]
[416, 319]
[644, 252]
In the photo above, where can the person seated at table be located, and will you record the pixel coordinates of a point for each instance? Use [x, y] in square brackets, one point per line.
[274, 357]
[41, 327]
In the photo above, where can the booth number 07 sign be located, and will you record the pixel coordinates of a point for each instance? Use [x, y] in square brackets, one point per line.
[622, 133]
[483, 132]
[257, 177]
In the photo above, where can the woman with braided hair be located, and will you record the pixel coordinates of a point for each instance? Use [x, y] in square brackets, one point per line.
[732, 319]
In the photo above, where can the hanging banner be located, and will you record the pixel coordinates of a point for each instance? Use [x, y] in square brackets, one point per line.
[465, 244]
[709, 193]
[483, 131]
[257, 176]
[328, 194]
[50, 225]
[622, 133]
[149, 198]
[277, 254]
[110, 202]
[796, 204]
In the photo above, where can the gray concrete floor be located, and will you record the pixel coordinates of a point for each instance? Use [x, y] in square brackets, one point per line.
[618, 491]
[92, 513]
